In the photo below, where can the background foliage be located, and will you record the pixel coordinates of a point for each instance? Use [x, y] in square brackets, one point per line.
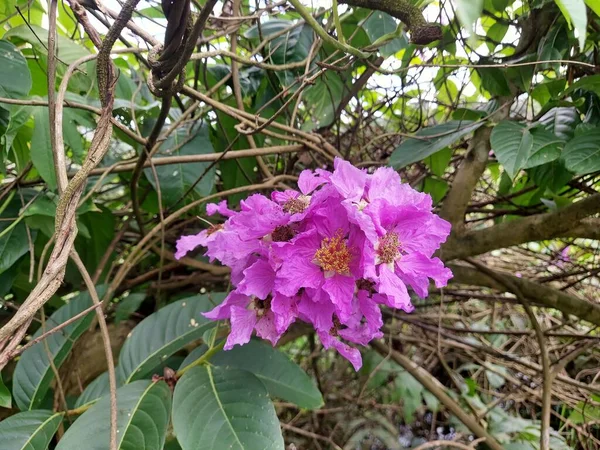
[495, 113]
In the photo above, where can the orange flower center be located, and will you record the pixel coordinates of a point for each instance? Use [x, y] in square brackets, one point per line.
[389, 248]
[334, 255]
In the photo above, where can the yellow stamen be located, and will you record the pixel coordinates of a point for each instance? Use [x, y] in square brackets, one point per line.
[334, 255]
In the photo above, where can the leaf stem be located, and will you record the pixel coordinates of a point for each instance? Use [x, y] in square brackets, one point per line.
[203, 359]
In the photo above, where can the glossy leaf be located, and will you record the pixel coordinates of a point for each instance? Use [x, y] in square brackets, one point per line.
[13, 244]
[41, 152]
[379, 24]
[323, 99]
[561, 122]
[216, 408]
[5, 397]
[431, 140]
[29, 430]
[281, 376]
[287, 47]
[129, 305]
[143, 412]
[15, 78]
[67, 50]
[33, 373]
[582, 154]
[96, 390]
[575, 13]
[512, 143]
[546, 147]
[468, 11]
[176, 179]
[163, 333]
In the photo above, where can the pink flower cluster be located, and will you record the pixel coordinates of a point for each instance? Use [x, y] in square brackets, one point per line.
[328, 255]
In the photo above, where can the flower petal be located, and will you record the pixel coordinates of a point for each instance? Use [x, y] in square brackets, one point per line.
[242, 324]
[259, 280]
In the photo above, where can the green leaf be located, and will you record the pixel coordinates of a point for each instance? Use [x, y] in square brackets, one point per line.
[293, 46]
[33, 373]
[29, 430]
[379, 24]
[5, 397]
[41, 152]
[15, 78]
[553, 175]
[176, 179]
[433, 139]
[179, 323]
[468, 11]
[281, 376]
[546, 148]
[494, 81]
[68, 51]
[561, 122]
[216, 409]
[582, 154]
[143, 412]
[576, 14]
[512, 143]
[129, 305]
[322, 100]
[95, 390]
[594, 6]
[13, 244]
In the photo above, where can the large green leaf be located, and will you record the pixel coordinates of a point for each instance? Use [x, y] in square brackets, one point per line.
[576, 14]
[546, 148]
[322, 100]
[176, 179]
[15, 78]
[281, 376]
[41, 151]
[216, 409]
[143, 412]
[163, 333]
[594, 6]
[5, 397]
[582, 154]
[561, 122]
[13, 244]
[33, 373]
[379, 24]
[431, 140]
[553, 175]
[95, 390]
[512, 143]
[29, 430]
[468, 11]
[68, 51]
[289, 47]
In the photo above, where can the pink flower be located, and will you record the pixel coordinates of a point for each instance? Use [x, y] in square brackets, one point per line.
[329, 254]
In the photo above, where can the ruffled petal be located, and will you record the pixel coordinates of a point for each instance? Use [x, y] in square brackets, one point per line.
[242, 324]
[259, 280]
[308, 181]
[341, 290]
[349, 181]
[394, 289]
[350, 353]
[221, 208]
[223, 311]
[186, 244]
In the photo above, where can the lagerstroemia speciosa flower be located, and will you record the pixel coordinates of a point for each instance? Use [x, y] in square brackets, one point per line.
[329, 254]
